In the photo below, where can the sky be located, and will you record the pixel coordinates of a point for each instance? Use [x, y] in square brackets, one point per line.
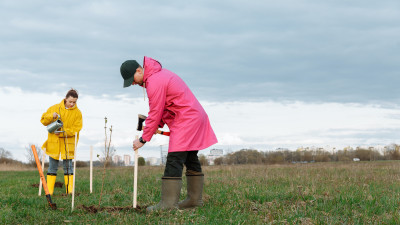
[270, 74]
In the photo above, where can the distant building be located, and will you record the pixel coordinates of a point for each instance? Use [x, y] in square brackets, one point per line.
[153, 161]
[117, 159]
[163, 154]
[127, 160]
[214, 153]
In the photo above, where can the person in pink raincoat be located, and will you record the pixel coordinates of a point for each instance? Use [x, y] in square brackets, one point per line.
[171, 102]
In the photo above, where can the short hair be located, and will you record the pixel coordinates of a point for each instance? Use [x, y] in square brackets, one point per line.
[72, 92]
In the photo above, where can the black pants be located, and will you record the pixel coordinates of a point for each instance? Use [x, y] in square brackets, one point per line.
[175, 161]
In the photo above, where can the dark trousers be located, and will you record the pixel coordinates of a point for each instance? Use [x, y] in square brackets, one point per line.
[176, 160]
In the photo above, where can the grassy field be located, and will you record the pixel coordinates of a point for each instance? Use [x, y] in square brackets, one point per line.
[329, 193]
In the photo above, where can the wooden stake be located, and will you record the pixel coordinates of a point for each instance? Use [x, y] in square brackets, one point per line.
[40, 180]
[73, 178]
[91, 169]
[135, 177]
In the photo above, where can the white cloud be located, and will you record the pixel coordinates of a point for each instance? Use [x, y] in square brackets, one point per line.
[297, 50]
[263, 125]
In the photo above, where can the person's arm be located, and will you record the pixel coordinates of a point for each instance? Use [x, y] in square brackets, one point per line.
[157, 96]
[76, 127]
[47, 117]
[165, 117]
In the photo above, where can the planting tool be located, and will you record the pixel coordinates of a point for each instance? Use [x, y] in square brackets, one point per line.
[140, 126]
[46, 190]
[73, 178]
[40, 180]
[135, 177]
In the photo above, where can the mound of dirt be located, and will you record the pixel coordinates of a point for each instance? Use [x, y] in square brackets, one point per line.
[56, 185]
[95, 209]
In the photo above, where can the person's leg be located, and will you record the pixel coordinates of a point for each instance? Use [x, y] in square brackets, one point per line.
[174, 165]
[67, 165]
[68, 175]
[52, 174]
[171, 182]
[192, 163]
[195, 182]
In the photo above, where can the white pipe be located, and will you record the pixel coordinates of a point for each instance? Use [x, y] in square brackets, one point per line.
[135, 177]
[91, 169]
[73, 178]
[40, 180]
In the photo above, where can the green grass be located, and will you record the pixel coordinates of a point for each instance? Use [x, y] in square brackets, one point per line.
[320, 193]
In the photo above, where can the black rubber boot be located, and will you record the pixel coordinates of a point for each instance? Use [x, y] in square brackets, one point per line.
[194, 197]
[170, 191]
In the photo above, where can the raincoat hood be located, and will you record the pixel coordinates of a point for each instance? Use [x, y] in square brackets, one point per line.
[62, 103]
[150, 66]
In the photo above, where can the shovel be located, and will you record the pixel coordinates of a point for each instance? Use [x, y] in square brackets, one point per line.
[46, 190]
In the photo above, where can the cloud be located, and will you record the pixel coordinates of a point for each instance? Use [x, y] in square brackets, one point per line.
[261, 125]
[231, 50]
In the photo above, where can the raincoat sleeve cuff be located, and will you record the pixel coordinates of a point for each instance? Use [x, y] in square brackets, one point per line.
[46, 119]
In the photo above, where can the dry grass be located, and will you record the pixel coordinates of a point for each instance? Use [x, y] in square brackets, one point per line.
[15, 167]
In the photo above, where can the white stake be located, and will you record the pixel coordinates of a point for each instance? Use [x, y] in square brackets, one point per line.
[73, 182]
[135, 177]
[91, 169]
[40, 180]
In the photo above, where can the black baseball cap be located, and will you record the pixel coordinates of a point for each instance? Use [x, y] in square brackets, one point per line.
[128, 69]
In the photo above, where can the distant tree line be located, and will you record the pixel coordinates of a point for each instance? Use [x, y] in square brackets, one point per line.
[6, 158]
[252, 156]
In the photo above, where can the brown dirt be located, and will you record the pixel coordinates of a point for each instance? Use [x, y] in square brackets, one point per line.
[65, 194]
[96, 209]
[56, 185]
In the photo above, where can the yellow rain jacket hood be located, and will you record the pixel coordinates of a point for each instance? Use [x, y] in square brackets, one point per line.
[63, 143]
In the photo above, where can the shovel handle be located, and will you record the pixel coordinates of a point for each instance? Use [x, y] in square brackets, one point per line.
[46, 190]
[163, 133]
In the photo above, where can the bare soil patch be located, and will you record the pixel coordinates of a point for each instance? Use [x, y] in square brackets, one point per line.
[56, 185]
[95, 209]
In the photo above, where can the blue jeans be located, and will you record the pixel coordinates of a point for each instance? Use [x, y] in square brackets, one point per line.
[53, 166]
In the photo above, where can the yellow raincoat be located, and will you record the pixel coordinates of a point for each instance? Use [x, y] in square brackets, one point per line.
[64, 142]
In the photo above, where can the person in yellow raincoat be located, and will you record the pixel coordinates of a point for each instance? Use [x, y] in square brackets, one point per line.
[62, 141]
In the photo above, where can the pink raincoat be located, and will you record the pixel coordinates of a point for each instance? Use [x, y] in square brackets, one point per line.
[171, 102]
